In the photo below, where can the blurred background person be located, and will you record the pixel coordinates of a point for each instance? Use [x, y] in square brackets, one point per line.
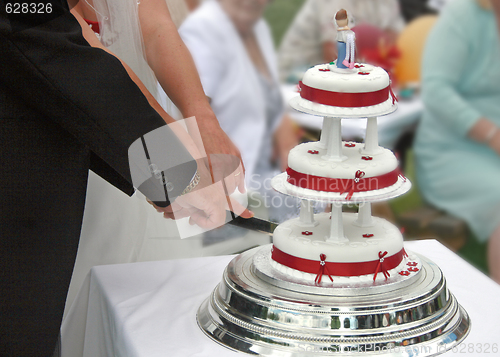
[457, 145]
[233, 50]
[310, 39]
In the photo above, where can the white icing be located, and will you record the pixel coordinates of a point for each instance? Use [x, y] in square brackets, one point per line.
[300, 160]
[352, 82]
[289, 239]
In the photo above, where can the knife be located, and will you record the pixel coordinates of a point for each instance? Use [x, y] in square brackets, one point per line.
[254, 224]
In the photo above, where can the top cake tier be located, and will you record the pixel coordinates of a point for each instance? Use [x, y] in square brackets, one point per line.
[364, 91]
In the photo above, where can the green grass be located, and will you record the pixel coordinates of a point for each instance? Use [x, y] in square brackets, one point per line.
[279, 14]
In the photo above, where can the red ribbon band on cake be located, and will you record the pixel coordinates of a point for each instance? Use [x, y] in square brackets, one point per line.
[357, 184]
[338, 269]
[349, 100]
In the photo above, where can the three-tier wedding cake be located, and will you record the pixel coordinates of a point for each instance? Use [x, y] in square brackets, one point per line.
[337, 282]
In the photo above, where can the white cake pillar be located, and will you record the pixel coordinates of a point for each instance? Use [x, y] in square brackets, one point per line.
[334, 139]
[337, 225]
[365, 218]
[307, 214]
[371, 137]
[325, 132]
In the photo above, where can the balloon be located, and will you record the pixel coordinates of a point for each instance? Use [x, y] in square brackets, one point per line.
[411, 42]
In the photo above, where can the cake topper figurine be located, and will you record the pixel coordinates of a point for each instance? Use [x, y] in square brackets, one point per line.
[345, 41]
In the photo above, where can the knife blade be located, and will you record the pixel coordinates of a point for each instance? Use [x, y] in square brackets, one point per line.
[254, 224]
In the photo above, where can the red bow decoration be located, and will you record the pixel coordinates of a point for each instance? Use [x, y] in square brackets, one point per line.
[404, 272]
[380, 266]
[367, 158]
[394, 98]
[94, 25]
[322, 268]
[358, 66]
[313, 151]
[324, 70]
[413, 269]
[412, 264]
[349, 145]
[307, 233]
[359, 174]
[368, 235]
[364, 73]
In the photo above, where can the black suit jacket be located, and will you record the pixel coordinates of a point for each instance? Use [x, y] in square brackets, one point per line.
[65, 107]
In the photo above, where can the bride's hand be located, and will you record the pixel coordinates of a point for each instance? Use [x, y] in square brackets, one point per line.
[206, 205]
[224, 157]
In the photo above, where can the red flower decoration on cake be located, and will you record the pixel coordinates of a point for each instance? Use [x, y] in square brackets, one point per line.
[307, 233]
[404, 273]
[367, 158]
[313, 151]
[358, 66]
[349, 145]
[413, 269]
[364, 73]
[368, 235]
[324, 70]
[412, 264]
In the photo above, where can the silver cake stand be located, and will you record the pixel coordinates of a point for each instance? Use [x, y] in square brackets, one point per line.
[259, 311]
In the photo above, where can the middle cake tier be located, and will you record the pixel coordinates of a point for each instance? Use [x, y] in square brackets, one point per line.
[311, 174]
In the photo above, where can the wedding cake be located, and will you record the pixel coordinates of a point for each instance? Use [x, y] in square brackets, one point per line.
[337, 282]
[352, 247]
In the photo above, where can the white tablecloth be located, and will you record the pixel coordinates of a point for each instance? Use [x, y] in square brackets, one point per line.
[390, 127]
[149, 309]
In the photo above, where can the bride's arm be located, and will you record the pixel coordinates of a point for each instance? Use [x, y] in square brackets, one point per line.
[207, 205]
[91, 38]
[174, 68]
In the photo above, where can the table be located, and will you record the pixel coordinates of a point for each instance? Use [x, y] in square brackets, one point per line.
[149, 309]
[390, 127]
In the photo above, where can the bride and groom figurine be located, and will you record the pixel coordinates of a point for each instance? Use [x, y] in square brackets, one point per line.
[345, 41]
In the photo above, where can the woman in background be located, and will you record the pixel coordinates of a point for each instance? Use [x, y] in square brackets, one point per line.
[457, 145]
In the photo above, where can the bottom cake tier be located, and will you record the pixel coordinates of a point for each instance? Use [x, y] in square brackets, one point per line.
[366, 253]
[257, 310]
